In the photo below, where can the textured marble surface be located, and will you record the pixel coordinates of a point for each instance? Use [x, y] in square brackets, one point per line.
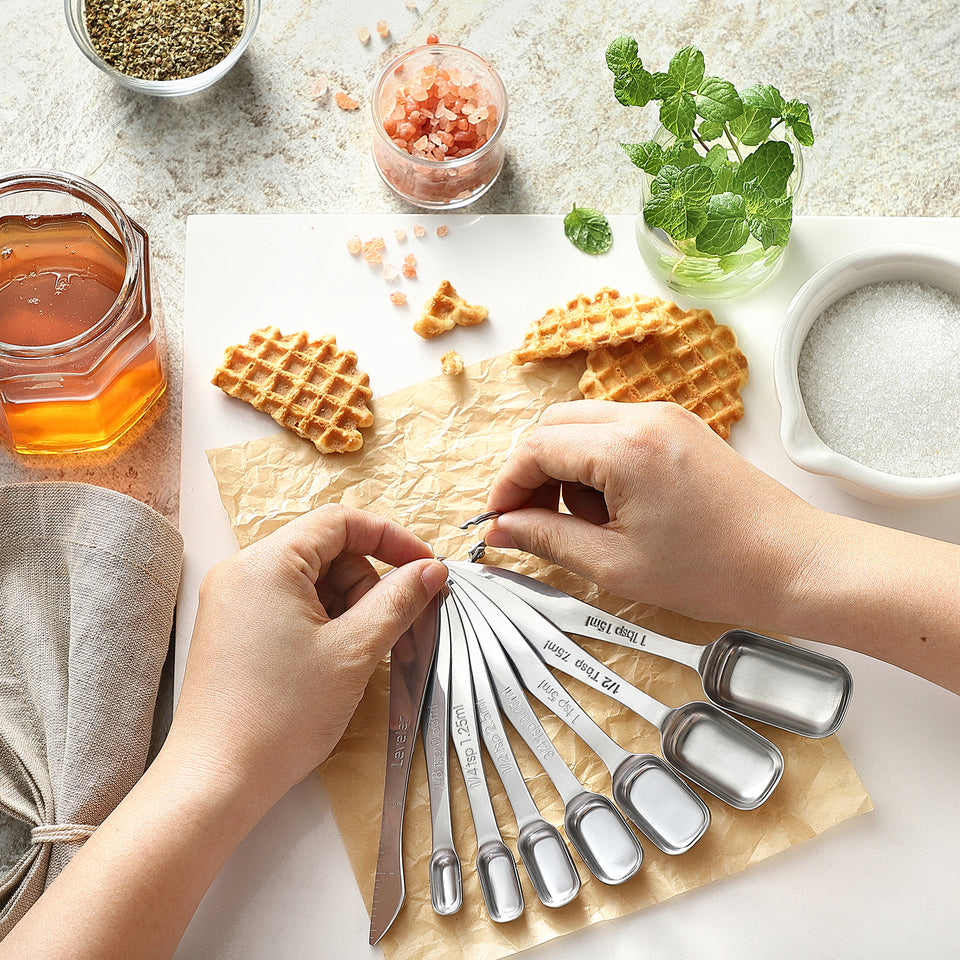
[881, 75]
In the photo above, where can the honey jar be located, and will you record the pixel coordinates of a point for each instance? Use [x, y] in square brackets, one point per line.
[81, 346]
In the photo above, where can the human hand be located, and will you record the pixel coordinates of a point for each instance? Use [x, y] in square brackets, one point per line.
[661, 510]
[287, 634]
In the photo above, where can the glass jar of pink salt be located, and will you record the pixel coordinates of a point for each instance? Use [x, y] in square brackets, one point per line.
[439, 112]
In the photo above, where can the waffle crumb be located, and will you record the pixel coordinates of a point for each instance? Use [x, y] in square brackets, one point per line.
[451, 363]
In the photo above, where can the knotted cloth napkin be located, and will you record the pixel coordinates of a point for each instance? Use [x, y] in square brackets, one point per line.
[88, 583]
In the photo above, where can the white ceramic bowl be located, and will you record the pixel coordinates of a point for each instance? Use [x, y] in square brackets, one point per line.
[911, 262]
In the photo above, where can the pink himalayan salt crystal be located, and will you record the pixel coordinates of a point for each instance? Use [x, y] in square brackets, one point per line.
[390, 272]
[419, 231]
[345, 102]
[363, 35]
[442, 230]
[398, 298]
[383, 29]
[437, 115]
[400, 234]
[373, 250]
[354, 245]
[319, 88]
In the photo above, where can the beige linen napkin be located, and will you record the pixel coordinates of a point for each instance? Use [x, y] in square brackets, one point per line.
[88, 583]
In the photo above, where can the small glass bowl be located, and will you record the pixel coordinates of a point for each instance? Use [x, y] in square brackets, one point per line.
[438, 184]
[76, 22]
[802, 444]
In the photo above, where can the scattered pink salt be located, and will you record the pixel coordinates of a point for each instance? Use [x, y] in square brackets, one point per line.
[363, 35]
[442, 230]
[398, 298]
[354, 245]
[345, 102]
[400, 234]
[383, 29]
[390, 272]
[419, 231]
[373, 250]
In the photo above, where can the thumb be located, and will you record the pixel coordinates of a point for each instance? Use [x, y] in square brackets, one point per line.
[570, 542]
[389, 607]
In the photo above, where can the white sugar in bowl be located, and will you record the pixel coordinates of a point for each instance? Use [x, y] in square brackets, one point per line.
[867, 371]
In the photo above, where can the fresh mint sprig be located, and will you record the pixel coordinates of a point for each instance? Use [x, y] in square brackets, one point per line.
[723, 178]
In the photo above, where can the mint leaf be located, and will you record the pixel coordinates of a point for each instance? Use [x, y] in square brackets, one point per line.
[686, 68]
[647, 156]
[725, 229]
[797, 115]
[770, 165]
[681, 153]
[678, 200]
[633, 88]
[588, 230]
[621, 54]
[678, 114]
[752, 126]
[665, 86]
[710, 130]
[763, 96]
[718, 100]
[769, 219]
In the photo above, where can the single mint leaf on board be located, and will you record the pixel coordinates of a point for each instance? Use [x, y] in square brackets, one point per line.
[718, 100]
[770, 165]
[588, 230]
[633, 88]
[725, 229]
[797, 115]
[678, 114]
[752, 126]
[622, 53]
[686, 68]
[647, 156]
[710, 130]
[763, 96]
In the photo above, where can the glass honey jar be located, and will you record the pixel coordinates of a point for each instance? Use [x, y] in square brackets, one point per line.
[81, 344]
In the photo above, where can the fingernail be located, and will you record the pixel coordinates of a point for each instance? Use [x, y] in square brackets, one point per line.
[433, 576]
[499, 539]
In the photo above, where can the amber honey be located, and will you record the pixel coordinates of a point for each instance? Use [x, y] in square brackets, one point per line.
[80, 359]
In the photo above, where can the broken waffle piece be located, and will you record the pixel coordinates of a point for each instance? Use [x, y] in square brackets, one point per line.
[451, 363]
[445, 310]
[308, 386]
[692, 361]
[585, 323]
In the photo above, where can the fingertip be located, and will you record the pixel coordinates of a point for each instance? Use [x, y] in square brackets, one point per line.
[433, 576]
[499, 539]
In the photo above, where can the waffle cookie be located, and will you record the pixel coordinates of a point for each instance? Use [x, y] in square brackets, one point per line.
[308, 386]
[586, 323]
[445, 310]
[693, 361]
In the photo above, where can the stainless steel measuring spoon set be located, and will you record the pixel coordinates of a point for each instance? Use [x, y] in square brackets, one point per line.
[500, 637]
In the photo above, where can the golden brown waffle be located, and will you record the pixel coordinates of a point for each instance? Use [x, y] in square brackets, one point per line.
[693, 362]
[445, 310]
[308, 386]
[586, 323]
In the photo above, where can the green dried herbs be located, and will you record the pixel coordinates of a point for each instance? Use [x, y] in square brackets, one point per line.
[163, 39]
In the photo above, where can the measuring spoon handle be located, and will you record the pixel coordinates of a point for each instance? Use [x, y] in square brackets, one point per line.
[435, 728]
[572, 615]
[516, 708]
[541, 683]
[492, 731]
[557, 649]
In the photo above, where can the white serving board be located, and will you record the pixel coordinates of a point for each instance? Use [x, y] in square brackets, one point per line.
[865, 889]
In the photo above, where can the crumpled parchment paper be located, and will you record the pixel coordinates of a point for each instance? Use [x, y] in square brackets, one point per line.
[427, 462]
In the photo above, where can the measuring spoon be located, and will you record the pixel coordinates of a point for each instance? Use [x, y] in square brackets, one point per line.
[496, 869]
[592, 823]
[747, 673]
[647, 790]
[549, 865]
[446, 887]
[705, 744]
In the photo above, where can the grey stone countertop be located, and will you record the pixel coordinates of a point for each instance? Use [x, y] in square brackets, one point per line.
[882, 77]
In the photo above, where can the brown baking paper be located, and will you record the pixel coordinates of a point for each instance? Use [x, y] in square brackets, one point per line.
[427, 462]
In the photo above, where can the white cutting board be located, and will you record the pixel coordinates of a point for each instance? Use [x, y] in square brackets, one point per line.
[866, 888]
